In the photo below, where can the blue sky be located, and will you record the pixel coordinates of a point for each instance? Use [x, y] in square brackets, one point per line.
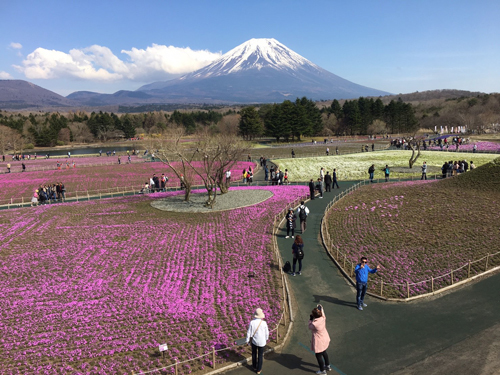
[395, 46]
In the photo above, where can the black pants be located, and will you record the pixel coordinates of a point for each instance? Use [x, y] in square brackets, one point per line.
[328, 187]
[257, 357]
[311, 193]
[323, 360]
[335, 183]
[288, 231]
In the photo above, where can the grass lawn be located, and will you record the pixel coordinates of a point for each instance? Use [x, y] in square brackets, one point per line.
[419, 229]
[355, 166]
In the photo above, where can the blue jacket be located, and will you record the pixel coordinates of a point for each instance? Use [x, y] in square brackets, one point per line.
[362, 273]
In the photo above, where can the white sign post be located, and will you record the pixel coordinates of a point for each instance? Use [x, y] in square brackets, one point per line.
[163, 348]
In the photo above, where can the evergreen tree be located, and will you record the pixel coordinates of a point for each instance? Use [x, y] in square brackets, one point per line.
[250, 125]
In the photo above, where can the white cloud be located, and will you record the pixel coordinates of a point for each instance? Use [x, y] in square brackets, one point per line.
[16, 45]
[98, 63]
[5, 75]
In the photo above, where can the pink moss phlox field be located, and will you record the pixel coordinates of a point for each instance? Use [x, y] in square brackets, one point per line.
[484, 146]
[17, 185]
[95, 287]
[85, 161]
[416, 230]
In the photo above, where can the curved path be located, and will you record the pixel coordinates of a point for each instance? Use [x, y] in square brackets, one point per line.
[453, 333]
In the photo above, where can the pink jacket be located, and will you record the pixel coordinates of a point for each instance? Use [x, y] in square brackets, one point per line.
[320, 337]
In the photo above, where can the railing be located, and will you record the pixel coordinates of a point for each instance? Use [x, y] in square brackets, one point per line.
[287, 306]
[409, 290]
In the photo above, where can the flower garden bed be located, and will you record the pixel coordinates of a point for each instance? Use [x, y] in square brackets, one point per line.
[355, 166]
[419, 230]
[483, 146]
[93, 179]
[95, 287]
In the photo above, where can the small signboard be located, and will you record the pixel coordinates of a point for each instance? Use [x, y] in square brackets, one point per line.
[163, 347]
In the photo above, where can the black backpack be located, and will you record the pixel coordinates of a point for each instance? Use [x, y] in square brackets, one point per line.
[287, 267]
[302, 213]
[300, 252]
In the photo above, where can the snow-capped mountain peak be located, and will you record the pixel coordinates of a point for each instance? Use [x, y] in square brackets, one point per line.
[254, 54]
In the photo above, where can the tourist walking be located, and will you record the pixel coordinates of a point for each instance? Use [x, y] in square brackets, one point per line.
[293, 154]
[290, 223]
[328, 182]
[424, 171]
[257, 335]
[320, 338]
[371, 171]
[8, 168]
[311, 189]
[302, 213]
[361, 270]
[334, 179]
[297, 254]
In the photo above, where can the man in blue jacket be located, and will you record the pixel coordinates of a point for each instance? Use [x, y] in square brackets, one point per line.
[361, 272]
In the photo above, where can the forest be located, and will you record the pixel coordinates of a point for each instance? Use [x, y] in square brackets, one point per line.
[286, 121]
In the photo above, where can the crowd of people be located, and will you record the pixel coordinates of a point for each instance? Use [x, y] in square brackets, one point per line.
[49, 193]
[156, 184]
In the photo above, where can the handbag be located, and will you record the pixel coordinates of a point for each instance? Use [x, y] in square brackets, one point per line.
[244, 340]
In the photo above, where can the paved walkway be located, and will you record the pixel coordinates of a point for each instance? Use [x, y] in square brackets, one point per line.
[428, 336]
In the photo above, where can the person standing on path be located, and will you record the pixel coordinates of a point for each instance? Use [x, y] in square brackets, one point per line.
[293, 154]
[386, 173]
[362, 269]
[258, 334]
[320, 188]
[290, 223]
[311, 188]
[302, 213]
[320, 338]
[371, 171]
[334, 178]
[424, 171]
[322, 173]
[328, 182]
[8, 168]
[297, 254]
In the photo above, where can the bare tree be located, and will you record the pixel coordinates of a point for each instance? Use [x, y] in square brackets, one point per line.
[219, 152]
[414, 145]
[170, 150]
[10, 139]
[216, 153]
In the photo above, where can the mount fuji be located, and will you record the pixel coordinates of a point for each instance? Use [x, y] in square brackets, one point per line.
[259, 70]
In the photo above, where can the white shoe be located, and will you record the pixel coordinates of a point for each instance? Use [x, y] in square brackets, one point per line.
[292, 237]
[287, 236]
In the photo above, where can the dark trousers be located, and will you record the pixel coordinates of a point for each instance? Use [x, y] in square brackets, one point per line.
[360, 293]
[323, 360]
[311, 193]
[424, 176]
[295, 262]
[303, 225]
[257, 357]
[335, 183]
[288, 231]
[328, 187]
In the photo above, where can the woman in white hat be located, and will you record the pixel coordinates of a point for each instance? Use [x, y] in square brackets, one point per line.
[258, 334]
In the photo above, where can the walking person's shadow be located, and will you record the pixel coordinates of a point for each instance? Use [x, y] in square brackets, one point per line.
[330, 299]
